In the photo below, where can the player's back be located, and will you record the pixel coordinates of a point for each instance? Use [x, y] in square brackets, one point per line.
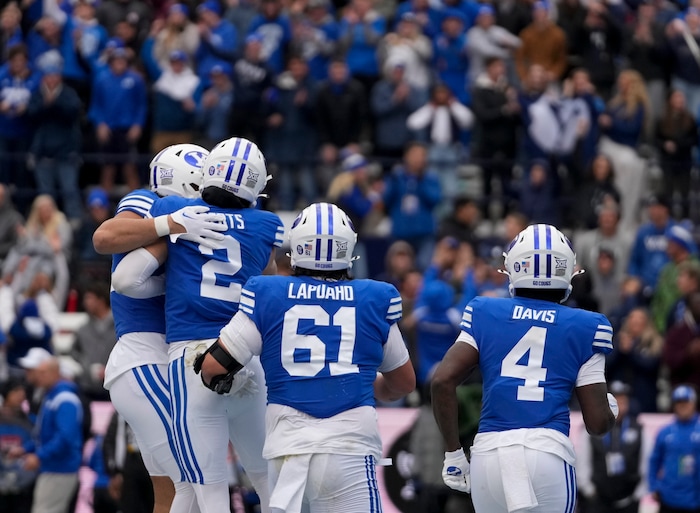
[203, 286]
[530, 354]
[136, 315]
[323, 341]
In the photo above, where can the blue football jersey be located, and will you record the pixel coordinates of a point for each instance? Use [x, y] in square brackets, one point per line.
[322, 341]
[137, 315]
[203, 286]
[530, 354]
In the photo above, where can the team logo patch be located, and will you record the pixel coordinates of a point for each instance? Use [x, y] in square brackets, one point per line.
[341, 249]
[308, 248]
[166, 176]
[516, 267]
[300, 250]
[559, 266]
[252, 179]
[194, 158]
[211, 171]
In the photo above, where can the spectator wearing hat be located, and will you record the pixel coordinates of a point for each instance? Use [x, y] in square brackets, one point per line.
[688, 282]
[218, 40]
[674, 474]
[175, 96]
[538, 198]
[17, 83]
[486, 41]
[682, 348]
[290, 140]
[450, 55]
[28, 331]
[409, 47]
[241, 14]
[55, 109]
[543, 43]
[44, 41]
[361, 30]
[252, 78]
[469, 8]
[315, 36]
[683, 36]
[275, 31]
[177, 33]
[56, 450]
[429, 16]
[135, 13]
[214, 108]
[392, 101]
[597, 192]
[118, 111]
[89, 261]
[16, 484]
[611, 470]
[649, 255]
[680, 248]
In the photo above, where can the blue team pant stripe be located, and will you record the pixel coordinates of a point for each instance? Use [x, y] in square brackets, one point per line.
[369, 485]
[537, 264]
[187, 431]
[549, 264]
[537, 236]
[156, 373]
[176, 401]
[574, 495]
[548, 236]
[568, 488]
[318, 219]
[153, 394]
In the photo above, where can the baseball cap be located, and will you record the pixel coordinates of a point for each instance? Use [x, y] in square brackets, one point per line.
[353, 162]
[221, 67]
[486, 9]
[210, 5]
[114, 42]
[456, 13]
[179, 9]
[118, 53]
[98, 198]
[254, 38]
[409, 16]
[683, 393]
[682, 237]
[657, 199]
[619, 388]
[35, 357]
[540, 5]
[177, 55]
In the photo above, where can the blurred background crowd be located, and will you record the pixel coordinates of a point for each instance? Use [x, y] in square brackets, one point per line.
[443, 128]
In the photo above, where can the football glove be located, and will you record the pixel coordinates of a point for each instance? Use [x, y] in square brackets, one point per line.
[201, 226]
[455, 471]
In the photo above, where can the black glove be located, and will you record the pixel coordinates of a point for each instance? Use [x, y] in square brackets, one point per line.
[221, 383]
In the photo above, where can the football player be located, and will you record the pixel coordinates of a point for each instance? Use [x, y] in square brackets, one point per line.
[329, 346]
[136, 372]
[202, 293]
[533, 354]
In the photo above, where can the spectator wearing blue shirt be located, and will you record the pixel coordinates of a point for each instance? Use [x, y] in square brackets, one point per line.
[57, 448]
[428, 17]
[55, 110]
[10, 29]
[275, 32]
[450, 55]
[315, 37]
[46, 36]
[470, 9]
[17, 83]
[214, 108]
[411, 195]
[674, 473]
[118, 111]
[218, 39]
[82, 42]
[361, 30]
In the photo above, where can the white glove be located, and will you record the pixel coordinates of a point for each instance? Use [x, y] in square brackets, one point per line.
[243, 385]
[612, 402]
[201, 227]
[455, 471]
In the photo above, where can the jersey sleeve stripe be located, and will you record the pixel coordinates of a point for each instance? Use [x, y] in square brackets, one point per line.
[605, 327]
[395, 308]
[603, 336]
[467, 317]
[465, 324]
[245, 309]
[142, 201]
[607, 345]
[468, 308]
[247, 301]
[248, 293]
[393, 317]
[395, 300]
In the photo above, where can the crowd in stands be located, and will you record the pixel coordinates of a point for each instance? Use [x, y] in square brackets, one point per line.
[442, 127]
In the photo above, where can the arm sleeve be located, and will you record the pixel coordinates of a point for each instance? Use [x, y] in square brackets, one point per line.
[420, 118]
[68, 416]
[395, 352]
[133, 276]
[241, 338]
[593, 371]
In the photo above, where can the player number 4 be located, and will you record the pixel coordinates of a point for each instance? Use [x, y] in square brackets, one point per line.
[532, 372]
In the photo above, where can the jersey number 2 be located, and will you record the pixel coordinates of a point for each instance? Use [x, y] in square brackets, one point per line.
[532, 372]
[292, 341]
[208, 287]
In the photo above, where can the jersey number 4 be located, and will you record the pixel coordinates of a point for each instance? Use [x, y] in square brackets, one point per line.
[294, 343]
[532, 344]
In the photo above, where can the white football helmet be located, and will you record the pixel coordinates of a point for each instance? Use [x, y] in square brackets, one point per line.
[238, 166]
[322, 238]
[177, 171]
[540, 257]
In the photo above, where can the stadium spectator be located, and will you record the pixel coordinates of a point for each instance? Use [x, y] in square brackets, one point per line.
[450, 55]
[177, 33]
[688, 282]
[240, 14]
[570, 16]
[28, 331]
[399, 262]
[411, 48]
[44, 41]
[487, 41]
[10, 223]
[275, 32]
[315, 37]
[98, 210]
[543, 43]
[515, 15]
[682, 347]
[636, 359]
[10, 29]
[676, 138]
[111, 13]
[392, 101]
[411, 195]
[429, 16]
[683, 34]
[217, 39]
[588, 144]
[214, 109]
[538, 198]
[118, 112]
[55, 108]
[252, 77]
[597, 192]
[606, 281]
[462, 221]
[354, 191]
[176, 94]
[291, 141]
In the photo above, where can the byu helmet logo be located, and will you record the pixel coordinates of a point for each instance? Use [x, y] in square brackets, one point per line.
[194, 158]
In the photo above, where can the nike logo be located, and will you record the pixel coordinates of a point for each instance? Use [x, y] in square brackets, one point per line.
[454, 471]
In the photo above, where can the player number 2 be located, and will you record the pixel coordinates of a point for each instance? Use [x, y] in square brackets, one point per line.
[208, 287]
[532, 372]
[294, 342]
